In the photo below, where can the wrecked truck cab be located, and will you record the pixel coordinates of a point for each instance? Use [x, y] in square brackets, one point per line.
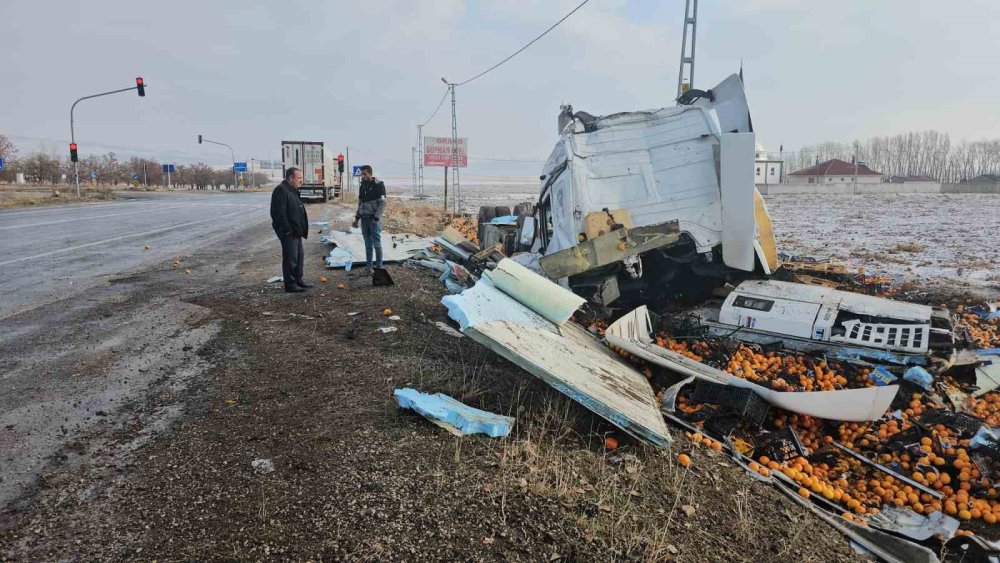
[630, 200]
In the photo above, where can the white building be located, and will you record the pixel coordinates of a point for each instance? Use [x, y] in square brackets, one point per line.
[835, 171]
[766, 169]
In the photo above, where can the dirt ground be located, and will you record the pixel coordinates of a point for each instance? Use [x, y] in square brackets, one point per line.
[297, 380]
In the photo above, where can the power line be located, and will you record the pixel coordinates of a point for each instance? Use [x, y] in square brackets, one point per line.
[436, 110]
[516, 53]
[506, 160]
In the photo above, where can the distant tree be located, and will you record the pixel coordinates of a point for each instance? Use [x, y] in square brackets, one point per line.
[261, 179]
[923, 153]
[8, 151]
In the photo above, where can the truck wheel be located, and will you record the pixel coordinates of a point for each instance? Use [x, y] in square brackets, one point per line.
[487, 214]
[502, 211]
[522, 209]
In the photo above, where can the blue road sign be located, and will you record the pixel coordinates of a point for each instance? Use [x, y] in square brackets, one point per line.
[356, 170]
[240, 167]
[169, 169]
[1, 164]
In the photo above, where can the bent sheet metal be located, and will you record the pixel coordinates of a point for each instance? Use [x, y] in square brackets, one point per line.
[566, 357]
[632, 333]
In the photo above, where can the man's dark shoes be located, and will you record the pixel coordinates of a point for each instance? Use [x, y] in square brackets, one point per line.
[304, 284]
[294, 289]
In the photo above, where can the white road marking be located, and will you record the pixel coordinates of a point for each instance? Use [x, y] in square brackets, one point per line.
[91, 217]
[95, 243]
[71, 207]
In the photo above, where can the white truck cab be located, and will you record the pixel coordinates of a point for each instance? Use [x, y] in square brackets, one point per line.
[667, 188]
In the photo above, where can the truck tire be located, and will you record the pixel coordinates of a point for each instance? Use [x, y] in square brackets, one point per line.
[502, 211]
[522, 209]
[487, 214]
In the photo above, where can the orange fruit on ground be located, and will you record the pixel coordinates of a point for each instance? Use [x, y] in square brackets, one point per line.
[684, 460]
[803, 492]
[611, 443]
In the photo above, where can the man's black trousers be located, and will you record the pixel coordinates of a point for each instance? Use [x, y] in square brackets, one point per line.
[292, 259]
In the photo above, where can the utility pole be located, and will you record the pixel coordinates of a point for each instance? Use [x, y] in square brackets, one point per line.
[454, 148]
[856, 168]
[140, 86]
[420, 160]
[445, 189]
[690, 19]
[145, 183]
[231, 152]
[413, 170]
[347, 166]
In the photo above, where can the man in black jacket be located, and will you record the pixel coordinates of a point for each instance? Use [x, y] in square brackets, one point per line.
[291, 224]
[371, 205]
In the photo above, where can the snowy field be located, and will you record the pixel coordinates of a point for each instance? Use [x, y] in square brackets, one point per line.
[940, 240]
[930, 239]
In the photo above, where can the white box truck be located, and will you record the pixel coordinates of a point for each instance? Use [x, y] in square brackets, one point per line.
[320, 178]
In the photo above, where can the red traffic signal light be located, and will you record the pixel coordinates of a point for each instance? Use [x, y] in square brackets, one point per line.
[340, 163]
[72, 153]
[340, 158]
[140, 85]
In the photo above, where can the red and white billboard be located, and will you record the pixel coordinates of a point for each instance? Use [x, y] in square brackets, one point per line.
[437, 152]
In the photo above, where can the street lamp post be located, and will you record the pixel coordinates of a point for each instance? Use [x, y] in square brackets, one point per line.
[231, 152]
[140, 85]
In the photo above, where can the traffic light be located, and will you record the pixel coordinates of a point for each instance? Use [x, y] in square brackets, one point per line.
[199, 139]
[72, 153]
[140, 86]
[340, 163]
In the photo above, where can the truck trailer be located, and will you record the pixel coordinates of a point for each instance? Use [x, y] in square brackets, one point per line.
[319, 171]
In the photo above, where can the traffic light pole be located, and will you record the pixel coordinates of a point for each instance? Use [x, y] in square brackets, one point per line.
[72, 131]
[235, 182]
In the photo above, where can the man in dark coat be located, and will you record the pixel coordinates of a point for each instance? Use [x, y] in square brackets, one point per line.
[291, 224]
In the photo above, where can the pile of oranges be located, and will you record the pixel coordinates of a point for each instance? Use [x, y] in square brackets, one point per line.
[467, 227]
[694, 350]
[778, 371]
[986, 408]
[784, 372]
[934, 456]
[939, 461]
[982, 333]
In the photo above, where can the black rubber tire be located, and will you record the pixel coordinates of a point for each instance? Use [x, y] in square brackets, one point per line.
[522, 209]
[487, 214]
[502, 211]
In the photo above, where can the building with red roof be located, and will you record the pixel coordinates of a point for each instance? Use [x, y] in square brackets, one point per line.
[835, 171]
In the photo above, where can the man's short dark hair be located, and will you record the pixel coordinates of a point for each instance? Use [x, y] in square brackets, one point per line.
[367, 168]
[291, 172]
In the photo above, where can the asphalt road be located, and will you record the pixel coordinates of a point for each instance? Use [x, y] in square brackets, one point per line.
[49, 253]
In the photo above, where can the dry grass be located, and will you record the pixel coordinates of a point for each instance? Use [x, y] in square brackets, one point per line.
[30, 196]
[419, 218]
[907, 247]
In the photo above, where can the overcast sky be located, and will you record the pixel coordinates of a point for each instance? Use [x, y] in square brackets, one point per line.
[366, 73]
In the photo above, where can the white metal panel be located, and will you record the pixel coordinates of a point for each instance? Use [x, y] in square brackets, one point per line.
[730, 105]
[784, 316]
[736, 175]
[853, 302]
[658, 165]
[568, 358]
